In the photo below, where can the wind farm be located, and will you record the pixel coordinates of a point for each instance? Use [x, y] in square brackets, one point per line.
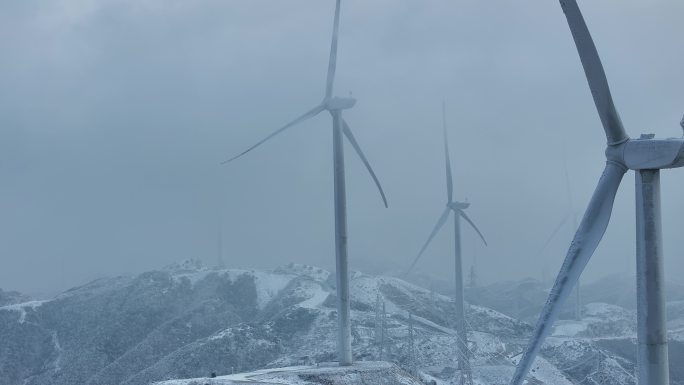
[184, 200]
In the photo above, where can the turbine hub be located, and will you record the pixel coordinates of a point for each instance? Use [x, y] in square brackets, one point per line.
[337, 103]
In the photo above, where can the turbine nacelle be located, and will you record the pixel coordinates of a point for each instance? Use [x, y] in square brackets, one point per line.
[336, 103]
[647, 153]
[458, 205]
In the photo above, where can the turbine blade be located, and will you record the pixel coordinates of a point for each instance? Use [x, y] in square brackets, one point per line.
[308, 115]
[593, 69]
[587, 238]
[463, 214]
[450, 184]
[348, 133]
[332, 63]
[440, 222]
[553, 233]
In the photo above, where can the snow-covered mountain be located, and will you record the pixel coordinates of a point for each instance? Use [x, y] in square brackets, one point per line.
[188, 322]
[523, 299]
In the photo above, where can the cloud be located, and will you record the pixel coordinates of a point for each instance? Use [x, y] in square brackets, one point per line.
[116, 114]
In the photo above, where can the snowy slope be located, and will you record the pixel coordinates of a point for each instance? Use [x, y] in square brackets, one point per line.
[376, 373]
[187, 322]
[599, 320]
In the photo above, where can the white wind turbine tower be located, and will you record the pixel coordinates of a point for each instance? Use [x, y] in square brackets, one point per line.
[457, 208]
[646, 156]
[335, 105]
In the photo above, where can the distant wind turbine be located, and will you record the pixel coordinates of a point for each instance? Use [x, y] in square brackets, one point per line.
[571, 207]
[646, 156]
[570, 214]
[335, 105]
[457, 208]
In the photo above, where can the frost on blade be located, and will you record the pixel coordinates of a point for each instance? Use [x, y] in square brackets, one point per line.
[587, 238]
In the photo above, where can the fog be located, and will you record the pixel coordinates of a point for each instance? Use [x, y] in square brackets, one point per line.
[116, 114]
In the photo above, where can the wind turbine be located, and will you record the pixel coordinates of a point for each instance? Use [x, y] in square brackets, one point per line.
[335, 106]
[646, 156]
[570, 214]
[457, 208]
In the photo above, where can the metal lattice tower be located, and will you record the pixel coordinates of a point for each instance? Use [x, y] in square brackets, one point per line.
[411, 347]
[378, 319]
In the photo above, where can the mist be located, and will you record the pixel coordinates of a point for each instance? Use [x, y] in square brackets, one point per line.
[116, 115]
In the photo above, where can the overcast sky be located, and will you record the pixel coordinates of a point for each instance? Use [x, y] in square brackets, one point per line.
[115, 115]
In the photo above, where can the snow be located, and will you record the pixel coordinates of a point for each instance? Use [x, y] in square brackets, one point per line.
[491, 374]
[313, 272]
[489, 312]
[604, 310]
[486, 343]
[59, 350]
[548, 374]
[600, 320]
[250, 376]
[360, 372]
[430, 324]
[492, 341]
[316, 295]
[543, 371]
[567, 328]
[268, 285]
[364, 288]
[222, 334]
[427, 378]
[193, 277]
[676, 334]
[21, 308]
